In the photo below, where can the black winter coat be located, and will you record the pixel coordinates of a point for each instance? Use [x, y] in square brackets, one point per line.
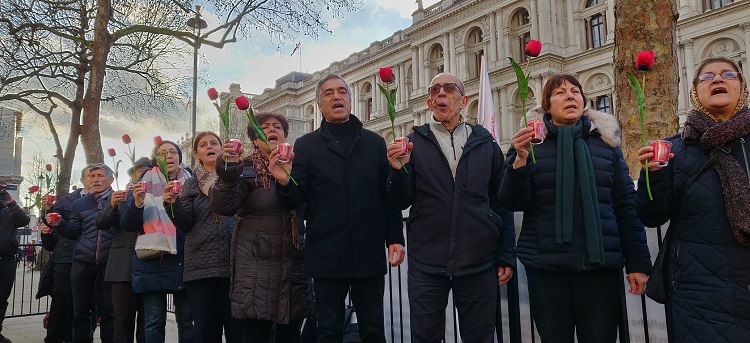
[123, 245]
[348, 224]
[709, 272]
[531, 189]
[455, 227]
[92, 245]
[268, 271]
[62, 246]
[11, 218]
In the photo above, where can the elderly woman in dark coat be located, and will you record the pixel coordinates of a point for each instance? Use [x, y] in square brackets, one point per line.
[207, 239]
[709, 256]
[267, 270]
[579, 224]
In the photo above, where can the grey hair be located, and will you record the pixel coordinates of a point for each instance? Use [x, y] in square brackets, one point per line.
[107, 170]
[85, 169]
[329, 77]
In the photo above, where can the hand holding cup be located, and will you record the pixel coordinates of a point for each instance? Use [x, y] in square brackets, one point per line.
[53, 218]
[399, 152]
[231, 150]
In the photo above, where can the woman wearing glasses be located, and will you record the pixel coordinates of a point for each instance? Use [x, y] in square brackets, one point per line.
[579, 227]
[710, 246]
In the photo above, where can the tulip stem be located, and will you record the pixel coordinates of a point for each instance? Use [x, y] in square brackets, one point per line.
[643, 135]
[282, 167]
[523, 109]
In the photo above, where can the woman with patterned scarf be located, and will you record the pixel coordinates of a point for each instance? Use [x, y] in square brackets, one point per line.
[207, 241]
[579, 227]
[268, 285]
[709, 257]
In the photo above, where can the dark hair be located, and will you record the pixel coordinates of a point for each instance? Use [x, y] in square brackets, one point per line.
[263, 117]
[156, 149]
[200, 135]
[716, 60]
[555, 81]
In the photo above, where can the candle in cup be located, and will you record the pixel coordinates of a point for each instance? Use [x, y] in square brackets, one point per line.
[176, 186]
[145, 186]
[236, 146]
[661, 152]
[538, 127]
[404, 143]
[285, 151]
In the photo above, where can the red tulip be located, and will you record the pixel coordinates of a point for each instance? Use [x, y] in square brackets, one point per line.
[533, 48]
[33, 189]
[213, 94]
[645, 60]
[158, 141]
[386, 75]
[242, 102]
[48, 167]
[111, 152]
[126, 138]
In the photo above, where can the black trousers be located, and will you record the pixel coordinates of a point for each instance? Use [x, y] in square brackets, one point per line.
[7, 277]
[262, 331]
[584, 304]
[209, 303]
[60, 327]
[474, 295]
[125, 306]
[367, 296]
[83, 279]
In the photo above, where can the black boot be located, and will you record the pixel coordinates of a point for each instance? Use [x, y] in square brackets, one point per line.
[3, 339]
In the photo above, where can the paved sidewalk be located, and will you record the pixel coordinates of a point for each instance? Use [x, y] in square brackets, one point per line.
[29, 329]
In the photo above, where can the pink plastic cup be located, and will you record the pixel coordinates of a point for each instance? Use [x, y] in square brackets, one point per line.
[538, 127]
[404, 143]
[176, 187]
[145, 186]
[285, 152]
[54, 217]
[236, 146]
[661, 152]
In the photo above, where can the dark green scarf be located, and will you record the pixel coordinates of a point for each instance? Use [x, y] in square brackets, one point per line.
[573, 156]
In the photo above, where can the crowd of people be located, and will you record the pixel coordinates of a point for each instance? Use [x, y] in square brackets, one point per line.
[251, 247]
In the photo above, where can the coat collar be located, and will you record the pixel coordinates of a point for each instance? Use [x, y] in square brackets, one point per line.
[325, 131]
[604, 123]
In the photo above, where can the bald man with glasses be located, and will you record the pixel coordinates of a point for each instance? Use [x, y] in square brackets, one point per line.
[461, 239]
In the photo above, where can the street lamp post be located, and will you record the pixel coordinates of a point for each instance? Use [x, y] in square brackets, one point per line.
[197, 24]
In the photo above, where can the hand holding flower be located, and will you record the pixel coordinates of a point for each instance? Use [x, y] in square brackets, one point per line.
[533, 49]
[644, 61]
[280, 170]
[396, 155]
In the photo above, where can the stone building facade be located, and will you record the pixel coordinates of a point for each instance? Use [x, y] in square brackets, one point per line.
[452, 35]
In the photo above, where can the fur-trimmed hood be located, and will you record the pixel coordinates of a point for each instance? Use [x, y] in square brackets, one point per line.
[606, 123]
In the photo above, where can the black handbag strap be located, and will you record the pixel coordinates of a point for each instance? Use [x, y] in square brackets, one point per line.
[717, 155]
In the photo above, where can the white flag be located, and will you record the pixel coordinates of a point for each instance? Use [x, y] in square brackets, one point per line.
[486, 111]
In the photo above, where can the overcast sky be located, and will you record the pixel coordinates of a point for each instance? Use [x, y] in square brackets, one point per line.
[255, 63]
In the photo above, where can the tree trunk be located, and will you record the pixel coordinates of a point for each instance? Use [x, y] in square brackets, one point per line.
[90, 135]
[646, 25]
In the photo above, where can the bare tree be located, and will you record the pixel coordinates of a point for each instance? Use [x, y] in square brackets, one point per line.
[646, 25]
[58, 53]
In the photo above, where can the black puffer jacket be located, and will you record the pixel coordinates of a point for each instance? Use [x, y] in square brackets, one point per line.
[52, 241]
[531, 189]
[710, 273]
[455, 227]
[206, 241]
[92, 245]
[11, 217]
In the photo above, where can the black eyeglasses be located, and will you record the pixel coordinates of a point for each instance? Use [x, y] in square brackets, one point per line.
[447, 87]
[727, 75]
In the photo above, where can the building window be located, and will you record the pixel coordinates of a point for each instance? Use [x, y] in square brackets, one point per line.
[474, 52]
[594, 2]
[597, 32]
[367, 95]
[603, 104]
[436, 60]
[520, 26]
[522, 41]
[368, 109]
[716, 4]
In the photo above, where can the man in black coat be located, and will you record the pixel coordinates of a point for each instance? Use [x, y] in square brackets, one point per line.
[11, 217]
[341, 171]
[60, 327]
[461, 238]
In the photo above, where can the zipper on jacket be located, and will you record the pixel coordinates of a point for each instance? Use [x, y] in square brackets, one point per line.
[744, 155]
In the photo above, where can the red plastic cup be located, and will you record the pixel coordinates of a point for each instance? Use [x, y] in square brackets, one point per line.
[538, 127]
[404, 143]
[661, 152]
[54, 217]
[145, 186]
[51, 199]
[285, 152]
[236, 146]
[176, 186]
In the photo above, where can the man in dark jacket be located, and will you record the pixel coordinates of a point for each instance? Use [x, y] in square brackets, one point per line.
[90, 253]
[11, 217]
[456, 231]
[341, 171]
[60, 328]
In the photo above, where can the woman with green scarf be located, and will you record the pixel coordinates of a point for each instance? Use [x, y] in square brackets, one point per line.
[579, 221]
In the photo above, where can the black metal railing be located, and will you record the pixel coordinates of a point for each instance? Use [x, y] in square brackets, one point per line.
[22, 301]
